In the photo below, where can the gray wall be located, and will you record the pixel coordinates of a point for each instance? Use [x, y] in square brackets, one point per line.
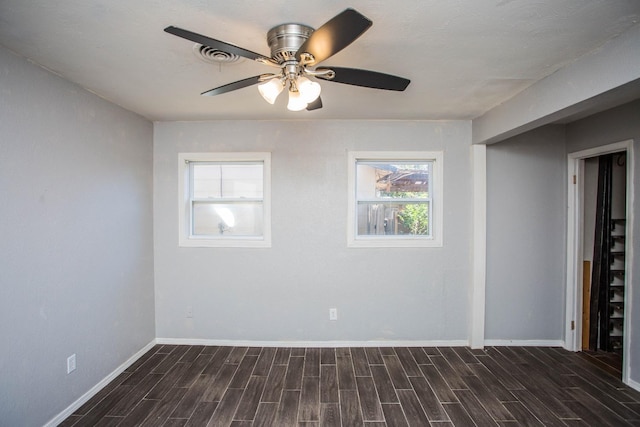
[526, 226]
[76, 248]
[526, 253]
[611, 126]
[284, 293]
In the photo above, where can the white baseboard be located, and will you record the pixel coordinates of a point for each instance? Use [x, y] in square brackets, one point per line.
[524, 343]
[96, 388]
[634, 385]
[316, 344]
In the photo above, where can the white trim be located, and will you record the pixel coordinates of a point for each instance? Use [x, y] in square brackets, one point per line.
[478, 286]
[634, 384]
[602, 150]
[96, 388]
[313, 344]
[184, 238]
[573, 289]
[628, 288]
[437, 201]
[575, 196]
[524, 343]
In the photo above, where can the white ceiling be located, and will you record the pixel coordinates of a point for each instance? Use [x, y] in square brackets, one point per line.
[463, 56]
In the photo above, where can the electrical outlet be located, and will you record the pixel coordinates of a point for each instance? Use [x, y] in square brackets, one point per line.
[71, 363]
[189, 311]
[333, 314]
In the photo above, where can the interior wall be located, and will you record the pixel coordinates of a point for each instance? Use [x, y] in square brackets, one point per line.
[284, 293]
[615, 125]
[619, 187]
[76, 248]
[525, 282]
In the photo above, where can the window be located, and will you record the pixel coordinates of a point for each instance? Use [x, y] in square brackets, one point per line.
[395, 199]
[224, 199]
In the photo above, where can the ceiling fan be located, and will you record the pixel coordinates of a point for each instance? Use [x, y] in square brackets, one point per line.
[295, 48]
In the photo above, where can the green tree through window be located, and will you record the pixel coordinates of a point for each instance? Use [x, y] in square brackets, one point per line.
[415, 217]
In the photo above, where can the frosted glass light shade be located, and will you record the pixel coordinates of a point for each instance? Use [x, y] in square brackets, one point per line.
[310, 91]
[270, 90]
[296, 103]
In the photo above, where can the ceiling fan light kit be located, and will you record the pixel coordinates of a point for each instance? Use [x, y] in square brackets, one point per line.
[295, 48]
[296, 102]
[310, 91]
[271, 89]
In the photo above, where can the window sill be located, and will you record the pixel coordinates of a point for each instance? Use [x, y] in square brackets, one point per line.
[237, 242]
[394, 243]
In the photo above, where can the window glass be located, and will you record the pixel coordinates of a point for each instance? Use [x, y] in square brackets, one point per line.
[395, 199]
[224, 199]
[227, 199]
[393, 180]
[227, 181]
[227, 219]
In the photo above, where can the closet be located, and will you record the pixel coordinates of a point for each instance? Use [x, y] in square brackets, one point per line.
[605, 225]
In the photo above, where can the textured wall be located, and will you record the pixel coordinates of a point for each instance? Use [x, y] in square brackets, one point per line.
[526, 205]
[284, 293]
[76, 268]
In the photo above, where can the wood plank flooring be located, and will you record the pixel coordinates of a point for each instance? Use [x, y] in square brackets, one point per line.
[608, 361]
[247, 386]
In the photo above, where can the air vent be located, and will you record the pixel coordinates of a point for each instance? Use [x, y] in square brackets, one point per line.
[214, 56]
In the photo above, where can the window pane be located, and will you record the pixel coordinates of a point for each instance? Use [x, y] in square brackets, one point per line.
[386, 180]
[227, 219]
[392, 218]
[215, 181]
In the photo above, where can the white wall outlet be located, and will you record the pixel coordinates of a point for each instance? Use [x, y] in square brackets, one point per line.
[71, 363]
[189, 311]
[333, 314]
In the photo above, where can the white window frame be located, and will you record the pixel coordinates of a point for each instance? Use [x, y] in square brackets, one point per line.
[436, 208]
[185, 237]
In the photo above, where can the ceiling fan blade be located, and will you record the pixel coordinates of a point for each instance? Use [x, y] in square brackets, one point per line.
[338, 33]
[250, 81]
[315, 105]
[217, 44]
[366, 78]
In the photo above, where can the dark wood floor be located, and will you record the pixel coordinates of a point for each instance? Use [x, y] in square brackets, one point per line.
[444, 386]
[608, 361]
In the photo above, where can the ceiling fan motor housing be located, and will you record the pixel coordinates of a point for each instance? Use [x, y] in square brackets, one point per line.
[285, 40]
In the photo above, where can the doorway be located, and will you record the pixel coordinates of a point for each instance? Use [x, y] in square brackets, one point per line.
[599, 236]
